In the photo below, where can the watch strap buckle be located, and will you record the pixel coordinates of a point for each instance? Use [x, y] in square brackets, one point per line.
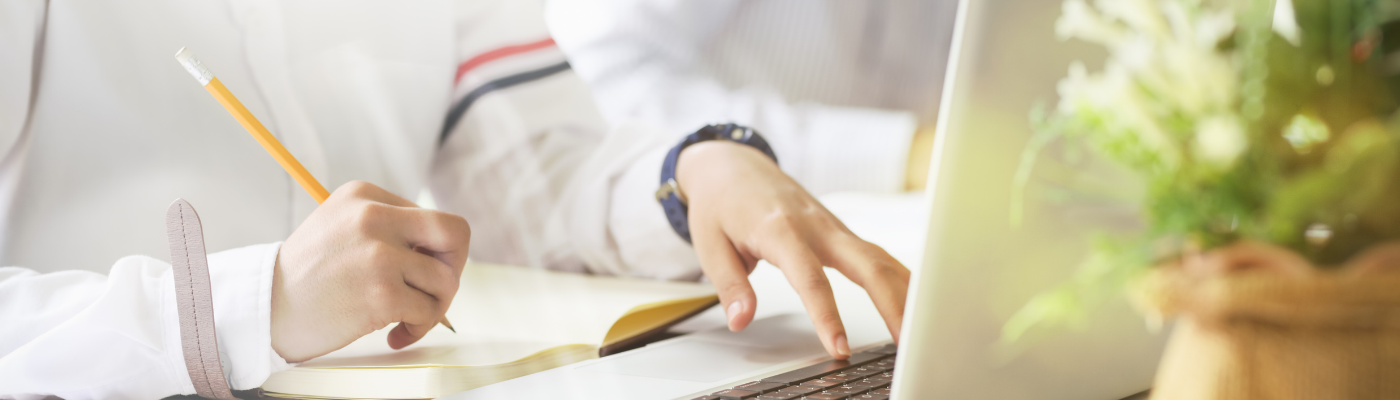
[669, 188]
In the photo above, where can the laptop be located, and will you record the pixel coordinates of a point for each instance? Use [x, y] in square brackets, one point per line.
[976, 269]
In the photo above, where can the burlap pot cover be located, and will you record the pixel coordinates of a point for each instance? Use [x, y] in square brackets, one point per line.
[1249, 328]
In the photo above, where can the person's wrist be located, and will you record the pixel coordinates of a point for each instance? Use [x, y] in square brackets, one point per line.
[707, 161]
[292, 338]
[703, 166]
[281, 333]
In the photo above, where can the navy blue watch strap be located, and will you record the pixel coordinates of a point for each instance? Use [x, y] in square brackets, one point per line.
[670, 196]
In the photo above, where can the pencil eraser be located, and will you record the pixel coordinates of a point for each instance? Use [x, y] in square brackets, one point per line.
[194, 67]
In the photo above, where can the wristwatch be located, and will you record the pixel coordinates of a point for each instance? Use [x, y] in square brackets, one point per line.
[669, 194]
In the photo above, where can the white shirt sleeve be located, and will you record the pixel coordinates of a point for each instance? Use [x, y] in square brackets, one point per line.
[82, 335]
[543, 179]
[642, 58]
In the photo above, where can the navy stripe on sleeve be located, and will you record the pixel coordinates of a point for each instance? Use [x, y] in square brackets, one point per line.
[460, 109]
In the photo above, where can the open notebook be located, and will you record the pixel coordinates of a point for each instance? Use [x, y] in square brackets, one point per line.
[511, 321]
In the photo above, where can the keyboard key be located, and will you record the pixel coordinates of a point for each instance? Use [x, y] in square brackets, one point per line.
[736, 394]
[882, 377]
[799, 390]
[820, 383]
[825, 396]
[779, 396]
[878, 368]
[822, 368]
[884, 391]
[761, 387]
[846, 390]
[867, 384]
[842, 377]
[866, 370]
[707, 397]
[871, 396]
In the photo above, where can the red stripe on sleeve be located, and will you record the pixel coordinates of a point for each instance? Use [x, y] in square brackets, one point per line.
[499, 53]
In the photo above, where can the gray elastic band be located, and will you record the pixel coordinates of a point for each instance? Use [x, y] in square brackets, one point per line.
[194, 298]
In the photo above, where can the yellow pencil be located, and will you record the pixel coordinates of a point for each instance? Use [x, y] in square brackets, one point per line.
[259, 132]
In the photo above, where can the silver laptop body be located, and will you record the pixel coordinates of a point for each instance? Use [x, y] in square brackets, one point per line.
[978, 269]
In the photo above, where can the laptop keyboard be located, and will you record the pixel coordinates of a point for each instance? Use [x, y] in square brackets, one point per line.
[863, 376]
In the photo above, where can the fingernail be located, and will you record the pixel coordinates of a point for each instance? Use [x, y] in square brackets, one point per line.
[842, 347]
[733, 312]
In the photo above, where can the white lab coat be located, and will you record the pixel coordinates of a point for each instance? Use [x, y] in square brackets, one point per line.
[100, 128]
[838, 86]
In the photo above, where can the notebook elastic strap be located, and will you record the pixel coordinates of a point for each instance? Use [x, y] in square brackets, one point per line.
[195, 301]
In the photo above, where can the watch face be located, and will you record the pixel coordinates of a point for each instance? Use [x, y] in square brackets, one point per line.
[740, 134]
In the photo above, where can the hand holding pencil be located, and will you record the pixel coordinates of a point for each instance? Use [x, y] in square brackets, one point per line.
[364, 259]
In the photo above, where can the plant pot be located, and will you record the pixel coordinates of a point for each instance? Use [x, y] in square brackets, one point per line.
[1256, 321]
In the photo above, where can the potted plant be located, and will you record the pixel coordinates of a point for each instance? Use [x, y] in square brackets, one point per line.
[1267, 137]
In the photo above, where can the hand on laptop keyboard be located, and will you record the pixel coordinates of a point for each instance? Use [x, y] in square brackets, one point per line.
[744, 209]
[864, 376]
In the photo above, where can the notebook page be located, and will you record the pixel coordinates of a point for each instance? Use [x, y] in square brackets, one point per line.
[505, 313]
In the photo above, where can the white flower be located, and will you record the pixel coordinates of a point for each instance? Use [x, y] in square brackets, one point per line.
[1142, 16]
[1212, 27]
[1183, 69]
[1115, 99]
[1304, 133]
[1194, 81]
[1164, 66]
[1220, 140]
[1079, 21]
[1285, 23]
